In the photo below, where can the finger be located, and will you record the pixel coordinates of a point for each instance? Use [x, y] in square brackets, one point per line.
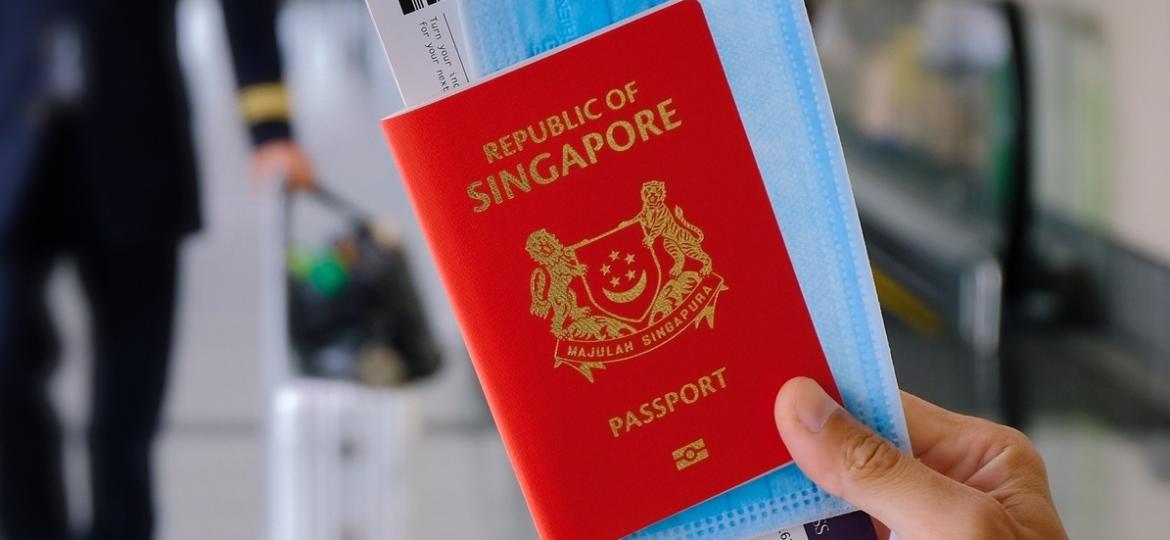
[991, 458]
[300, 172]
[976, 452]
[850, 461]
[302, 181]
[940, 438]
[932, 424]
[265, 171]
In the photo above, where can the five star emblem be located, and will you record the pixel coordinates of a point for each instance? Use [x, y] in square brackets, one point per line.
[606, 269]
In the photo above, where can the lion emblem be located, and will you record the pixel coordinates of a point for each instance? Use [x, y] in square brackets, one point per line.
[551, 293]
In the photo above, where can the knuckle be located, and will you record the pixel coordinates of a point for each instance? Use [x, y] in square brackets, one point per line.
[869, 457]
[1010, 436]
[1004, 438]
[988, 516]
[1017, 446]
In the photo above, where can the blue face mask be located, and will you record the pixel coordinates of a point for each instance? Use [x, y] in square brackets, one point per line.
[767, 51]
[508, 31]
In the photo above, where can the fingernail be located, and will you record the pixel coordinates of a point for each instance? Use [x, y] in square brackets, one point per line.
[815, 409]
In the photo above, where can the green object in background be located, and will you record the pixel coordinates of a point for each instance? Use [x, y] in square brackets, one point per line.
[300, 263]
[328, 276]
[324, 272]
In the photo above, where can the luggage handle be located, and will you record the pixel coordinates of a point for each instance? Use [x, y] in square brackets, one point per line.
[358, 217]
[341, 204]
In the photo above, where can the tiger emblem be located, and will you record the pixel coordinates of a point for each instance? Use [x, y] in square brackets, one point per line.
[680, 238]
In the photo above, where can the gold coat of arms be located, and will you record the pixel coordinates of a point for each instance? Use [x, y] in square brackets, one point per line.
[627, 291]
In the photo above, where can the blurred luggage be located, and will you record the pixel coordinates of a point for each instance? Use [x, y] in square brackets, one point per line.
[353, 310]
[344, 334]
[340, 472]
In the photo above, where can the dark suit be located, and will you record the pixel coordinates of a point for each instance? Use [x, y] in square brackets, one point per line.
[108, 179]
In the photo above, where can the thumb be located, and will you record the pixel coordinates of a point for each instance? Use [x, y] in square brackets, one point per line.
[848, 460]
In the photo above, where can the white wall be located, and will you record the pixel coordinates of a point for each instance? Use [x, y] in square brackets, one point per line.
[1130, 200]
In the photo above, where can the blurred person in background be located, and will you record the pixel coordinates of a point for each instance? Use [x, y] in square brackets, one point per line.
[97, 164]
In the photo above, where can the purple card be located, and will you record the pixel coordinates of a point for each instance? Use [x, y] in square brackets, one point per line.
[855, 526]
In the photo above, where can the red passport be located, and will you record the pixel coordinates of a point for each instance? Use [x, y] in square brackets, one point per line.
[602, 229]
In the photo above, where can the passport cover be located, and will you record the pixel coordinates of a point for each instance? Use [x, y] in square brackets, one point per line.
[600, 224]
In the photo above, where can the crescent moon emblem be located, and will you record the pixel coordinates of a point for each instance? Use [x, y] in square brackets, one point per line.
[628, 295]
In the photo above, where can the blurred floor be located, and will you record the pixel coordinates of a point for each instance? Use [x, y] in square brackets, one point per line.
[1108, 482]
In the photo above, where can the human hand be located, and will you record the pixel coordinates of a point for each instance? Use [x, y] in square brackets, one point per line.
[968, 478]
[284, 158]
